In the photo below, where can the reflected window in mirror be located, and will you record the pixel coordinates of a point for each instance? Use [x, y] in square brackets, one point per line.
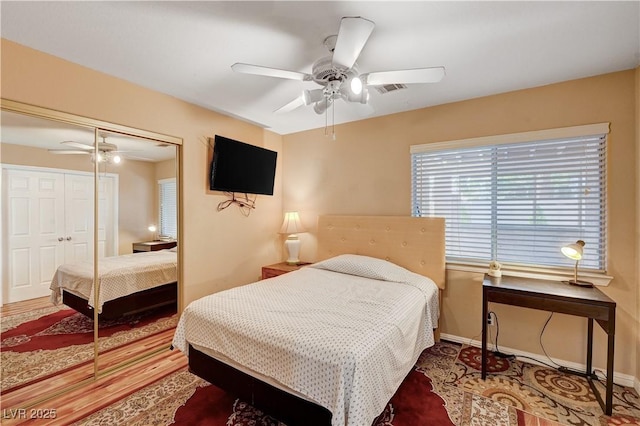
[168, 209]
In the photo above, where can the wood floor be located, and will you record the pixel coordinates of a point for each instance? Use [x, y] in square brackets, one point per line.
[88, 393]
[25, 306]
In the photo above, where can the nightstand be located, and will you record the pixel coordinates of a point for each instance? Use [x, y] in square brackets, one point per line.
[153, 245]
[280, 268]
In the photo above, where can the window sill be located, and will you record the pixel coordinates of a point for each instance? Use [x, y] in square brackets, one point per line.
[598, 279]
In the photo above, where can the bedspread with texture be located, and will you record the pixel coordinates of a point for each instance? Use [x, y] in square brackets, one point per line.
[344, 332]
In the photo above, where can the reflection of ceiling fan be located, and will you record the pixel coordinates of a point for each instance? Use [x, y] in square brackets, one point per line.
[107, 152]
[338, 72]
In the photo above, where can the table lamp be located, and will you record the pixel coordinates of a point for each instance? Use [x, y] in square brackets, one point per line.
[574, 252]
[292, 227]
[153, 229]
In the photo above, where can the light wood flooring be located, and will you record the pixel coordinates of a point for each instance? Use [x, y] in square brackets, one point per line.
[84, 393]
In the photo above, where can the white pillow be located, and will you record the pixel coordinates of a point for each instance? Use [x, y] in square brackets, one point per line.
[367, 267]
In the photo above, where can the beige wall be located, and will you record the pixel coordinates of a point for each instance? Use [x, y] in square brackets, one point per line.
[221, 249]
[366, 170]
[137, 201]
[136, 187]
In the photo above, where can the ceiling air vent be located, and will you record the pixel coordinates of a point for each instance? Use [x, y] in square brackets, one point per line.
[386, 88]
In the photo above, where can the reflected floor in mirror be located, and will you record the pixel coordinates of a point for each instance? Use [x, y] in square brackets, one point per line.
[45, 340]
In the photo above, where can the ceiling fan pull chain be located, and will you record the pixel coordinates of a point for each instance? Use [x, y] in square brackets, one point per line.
[326, 120]
[333, 121]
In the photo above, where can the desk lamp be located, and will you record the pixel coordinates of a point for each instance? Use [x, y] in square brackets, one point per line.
[574, 252]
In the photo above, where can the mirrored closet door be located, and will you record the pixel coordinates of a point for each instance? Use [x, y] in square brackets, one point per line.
[47, 221]
[78, 197]
[137, 246]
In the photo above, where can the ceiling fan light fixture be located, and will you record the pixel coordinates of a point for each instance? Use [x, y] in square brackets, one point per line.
[356, 85]
[312, 96]
[321, 106]
[362, 97]
[106, 157]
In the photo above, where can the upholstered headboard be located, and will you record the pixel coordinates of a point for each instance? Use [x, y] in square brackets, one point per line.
[415, 243]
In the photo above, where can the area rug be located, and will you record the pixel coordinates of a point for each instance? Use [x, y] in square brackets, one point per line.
[444, 388]
[50, 340]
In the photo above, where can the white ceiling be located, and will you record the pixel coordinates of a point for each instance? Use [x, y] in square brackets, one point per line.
[186, 49]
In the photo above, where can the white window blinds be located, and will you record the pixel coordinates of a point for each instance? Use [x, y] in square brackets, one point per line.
[516, 203]
[168, 208]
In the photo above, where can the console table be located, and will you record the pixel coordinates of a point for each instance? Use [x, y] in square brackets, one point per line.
[556, 296]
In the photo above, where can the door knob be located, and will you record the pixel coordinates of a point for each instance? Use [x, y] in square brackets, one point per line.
[68, 238]
[60, 239]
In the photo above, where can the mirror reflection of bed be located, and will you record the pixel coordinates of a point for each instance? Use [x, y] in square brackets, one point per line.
[42, 339]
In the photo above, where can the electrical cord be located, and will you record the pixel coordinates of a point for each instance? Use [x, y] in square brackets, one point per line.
[555, 365]
[497, 351]
[542, 345]
[245, 205]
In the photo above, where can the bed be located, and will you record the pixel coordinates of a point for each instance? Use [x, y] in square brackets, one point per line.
[128, 284]
[276, 345]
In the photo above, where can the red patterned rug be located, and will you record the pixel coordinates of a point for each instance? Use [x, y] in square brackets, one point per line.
[443, 389]
[50, 340]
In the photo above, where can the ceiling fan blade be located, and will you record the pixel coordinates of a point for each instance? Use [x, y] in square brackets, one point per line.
[78, 145]
[68, 151]
[352, 36]
[296, 103]
[270, 72]
[418, 75]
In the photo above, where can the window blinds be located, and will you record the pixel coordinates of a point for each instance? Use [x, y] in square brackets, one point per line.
[168, 208]
[517, 203]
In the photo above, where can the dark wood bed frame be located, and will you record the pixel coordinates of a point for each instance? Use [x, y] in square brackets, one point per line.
[289, 409]
[155, 297]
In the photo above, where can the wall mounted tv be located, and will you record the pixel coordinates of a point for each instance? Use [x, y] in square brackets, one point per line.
[241, 167]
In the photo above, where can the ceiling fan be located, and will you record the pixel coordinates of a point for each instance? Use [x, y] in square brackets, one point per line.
[338, 72]
[107, 152]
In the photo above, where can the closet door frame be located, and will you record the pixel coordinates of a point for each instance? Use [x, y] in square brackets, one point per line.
[95, 125]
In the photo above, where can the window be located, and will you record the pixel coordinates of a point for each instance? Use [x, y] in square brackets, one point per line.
[516, 198]
[168, 208]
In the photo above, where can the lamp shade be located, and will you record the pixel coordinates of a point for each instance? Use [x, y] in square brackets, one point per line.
[573, 251]
[291, 224]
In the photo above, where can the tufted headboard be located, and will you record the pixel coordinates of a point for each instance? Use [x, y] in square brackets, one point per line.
[415, 243]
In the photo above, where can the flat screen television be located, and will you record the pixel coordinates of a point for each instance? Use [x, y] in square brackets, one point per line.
[241, 167]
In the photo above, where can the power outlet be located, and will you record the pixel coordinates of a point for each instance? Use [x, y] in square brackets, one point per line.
[490, 320]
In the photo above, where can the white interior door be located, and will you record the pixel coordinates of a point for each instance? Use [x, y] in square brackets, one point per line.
[107, 216]
[35, 231]
[49, 221]
[78, 218]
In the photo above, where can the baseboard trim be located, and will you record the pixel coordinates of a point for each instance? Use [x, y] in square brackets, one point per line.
[618, 378]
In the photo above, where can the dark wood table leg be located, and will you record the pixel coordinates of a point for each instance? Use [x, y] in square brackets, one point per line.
[589, 347]
[484, 334]
[611, 334]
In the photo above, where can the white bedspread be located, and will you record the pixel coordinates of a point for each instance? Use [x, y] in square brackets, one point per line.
[345, 341]
[119, 276]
